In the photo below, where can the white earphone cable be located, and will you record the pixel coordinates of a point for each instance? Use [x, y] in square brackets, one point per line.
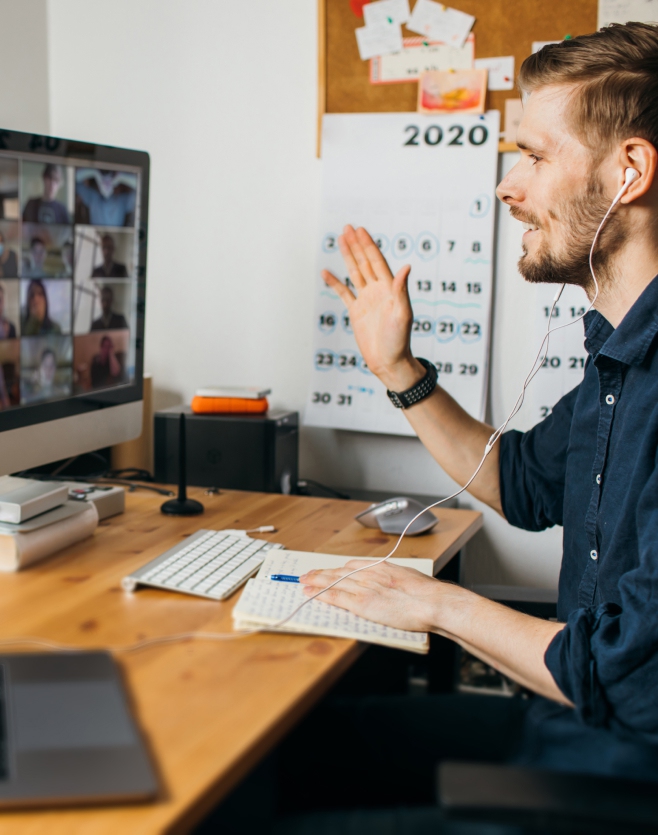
[227, 636]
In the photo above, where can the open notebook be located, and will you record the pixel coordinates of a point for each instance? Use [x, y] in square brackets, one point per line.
[265, 602]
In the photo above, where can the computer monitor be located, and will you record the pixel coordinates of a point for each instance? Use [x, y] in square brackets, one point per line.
[73, 239]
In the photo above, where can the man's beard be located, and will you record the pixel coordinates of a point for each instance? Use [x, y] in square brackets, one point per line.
[580, 216]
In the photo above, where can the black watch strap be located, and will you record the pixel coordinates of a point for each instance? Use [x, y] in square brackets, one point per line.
[422, 389]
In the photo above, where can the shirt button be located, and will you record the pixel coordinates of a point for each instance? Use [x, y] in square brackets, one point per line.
[609, 399]
[598, 478]
[594, 555]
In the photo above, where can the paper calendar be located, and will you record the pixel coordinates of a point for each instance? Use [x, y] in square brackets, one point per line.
[563, 364]
[424, 188]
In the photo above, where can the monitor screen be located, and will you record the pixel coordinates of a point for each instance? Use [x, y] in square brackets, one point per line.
[73, 228]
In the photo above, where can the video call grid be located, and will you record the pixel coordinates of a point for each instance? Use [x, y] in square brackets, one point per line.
[67, 275]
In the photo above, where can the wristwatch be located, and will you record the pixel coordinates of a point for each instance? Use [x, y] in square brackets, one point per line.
[422, 389]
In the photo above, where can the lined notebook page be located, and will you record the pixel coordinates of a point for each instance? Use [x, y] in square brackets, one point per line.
[265, 602]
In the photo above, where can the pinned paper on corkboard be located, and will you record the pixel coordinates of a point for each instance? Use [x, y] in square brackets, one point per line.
[459, 91]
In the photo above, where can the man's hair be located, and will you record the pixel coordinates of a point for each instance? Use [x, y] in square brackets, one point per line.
[52, 170]
[614, 73]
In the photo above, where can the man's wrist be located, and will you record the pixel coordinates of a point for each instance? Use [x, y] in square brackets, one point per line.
[453, 609]
[403, 375]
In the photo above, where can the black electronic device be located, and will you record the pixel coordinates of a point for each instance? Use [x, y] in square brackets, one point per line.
[238, 452]
[66, 733]
[181, 505]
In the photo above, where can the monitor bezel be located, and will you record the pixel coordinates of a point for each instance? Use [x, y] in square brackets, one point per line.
[42, 145]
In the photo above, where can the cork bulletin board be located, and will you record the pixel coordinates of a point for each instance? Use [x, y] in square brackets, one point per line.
[502, 27]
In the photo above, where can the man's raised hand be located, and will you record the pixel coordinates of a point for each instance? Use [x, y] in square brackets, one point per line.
[380, 311]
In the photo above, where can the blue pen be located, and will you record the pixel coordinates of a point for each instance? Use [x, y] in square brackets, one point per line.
[284, 578]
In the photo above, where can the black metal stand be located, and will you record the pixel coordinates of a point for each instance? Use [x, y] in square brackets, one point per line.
[182, 506]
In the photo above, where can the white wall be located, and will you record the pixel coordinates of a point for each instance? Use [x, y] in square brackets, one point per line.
[24, 66]
[227, 109]
[227, 112]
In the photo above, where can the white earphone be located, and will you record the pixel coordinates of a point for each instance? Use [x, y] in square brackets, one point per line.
[631, 177]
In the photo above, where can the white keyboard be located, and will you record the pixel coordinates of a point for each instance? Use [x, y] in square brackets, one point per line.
[210, 564]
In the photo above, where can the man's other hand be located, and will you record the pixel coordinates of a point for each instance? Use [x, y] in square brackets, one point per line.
[390, 594]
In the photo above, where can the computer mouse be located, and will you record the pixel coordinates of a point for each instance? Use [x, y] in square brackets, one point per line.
[393, 515]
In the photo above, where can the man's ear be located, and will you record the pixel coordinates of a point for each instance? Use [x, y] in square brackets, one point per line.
[642, 156]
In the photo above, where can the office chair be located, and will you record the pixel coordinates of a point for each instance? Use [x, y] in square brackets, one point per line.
[544, 801]
[547, 801]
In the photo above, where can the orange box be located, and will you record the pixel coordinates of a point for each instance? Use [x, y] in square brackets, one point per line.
[229, 405]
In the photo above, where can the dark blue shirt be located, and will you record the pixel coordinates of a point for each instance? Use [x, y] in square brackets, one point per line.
[592, 467]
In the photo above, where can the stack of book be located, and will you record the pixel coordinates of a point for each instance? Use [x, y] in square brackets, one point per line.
[224, 400]
[37, 520]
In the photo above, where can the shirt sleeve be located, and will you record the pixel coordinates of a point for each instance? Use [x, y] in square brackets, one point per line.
[605, 660]
[532, 469]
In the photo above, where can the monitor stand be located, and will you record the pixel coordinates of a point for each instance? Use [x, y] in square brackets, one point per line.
[181, 505]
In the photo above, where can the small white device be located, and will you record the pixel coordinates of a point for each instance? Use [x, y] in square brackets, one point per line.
[393, 516]
[210, 564]
[109, 499]
[242, 392]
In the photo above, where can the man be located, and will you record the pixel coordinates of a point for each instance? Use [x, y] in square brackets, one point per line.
[7, 328]
[107, 366]
[8, 260]
[106, 198]
[109, 320]
[47, 209]
[591, 113]
[109, 268]
[34, 263]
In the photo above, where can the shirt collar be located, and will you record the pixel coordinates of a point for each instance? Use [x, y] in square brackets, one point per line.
[630, 341]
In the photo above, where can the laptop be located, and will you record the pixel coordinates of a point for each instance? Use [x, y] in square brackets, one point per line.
[66, 733]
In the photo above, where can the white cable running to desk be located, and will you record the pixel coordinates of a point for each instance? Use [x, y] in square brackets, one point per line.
[231, 636]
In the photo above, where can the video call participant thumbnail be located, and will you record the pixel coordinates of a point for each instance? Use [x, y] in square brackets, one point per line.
[107, 366]
[46, 208]
[9, 380]
[110, 319]
[43, 250]
[8, 259]
[36, 317]
[9, 205]
[109, 268]
[100, 360]
[105, 198]
[7, 328]
[46, 370]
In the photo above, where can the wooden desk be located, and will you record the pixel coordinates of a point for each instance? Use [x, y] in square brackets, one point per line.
[209, 710]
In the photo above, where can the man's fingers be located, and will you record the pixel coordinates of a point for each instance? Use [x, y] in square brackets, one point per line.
[359, 254]
[401, 278]
[338, 287]
[350, 262]
[321, 577]
[336, 597]
[373, 254]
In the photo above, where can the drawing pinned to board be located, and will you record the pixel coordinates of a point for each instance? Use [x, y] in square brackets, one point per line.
[418, 56]
[459, 91]
[386, 11]
[500, 70]
[381, 39]
[440, 23]
[623, 11]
